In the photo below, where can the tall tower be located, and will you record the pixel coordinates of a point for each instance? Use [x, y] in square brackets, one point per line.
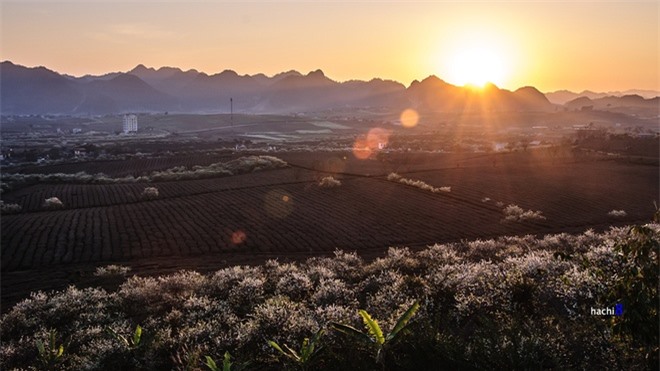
[231, 111]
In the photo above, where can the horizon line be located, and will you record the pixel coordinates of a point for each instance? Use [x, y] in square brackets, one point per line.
[583, 91]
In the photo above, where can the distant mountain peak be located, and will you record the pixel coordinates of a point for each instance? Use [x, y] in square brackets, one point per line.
[528, 89]
[433, 79]
[141, 68]
[228, 73]
[317, 73]
[169, 88]
[288, 73]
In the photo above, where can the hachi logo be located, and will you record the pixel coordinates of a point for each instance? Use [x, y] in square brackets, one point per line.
[616, 310]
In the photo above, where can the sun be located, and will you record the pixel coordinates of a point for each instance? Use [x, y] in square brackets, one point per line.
[477, 55]
[477, 65]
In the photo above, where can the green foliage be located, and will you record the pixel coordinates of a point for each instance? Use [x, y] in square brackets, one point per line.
[130, 343]
[374, 335]
[372, 327]
[50, 354]
[186, 359]
[226, 364]
[637, 289]
[307, 353]
[210, 363]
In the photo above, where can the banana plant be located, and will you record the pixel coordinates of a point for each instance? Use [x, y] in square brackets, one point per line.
[374, 335]
[226, 363]
[50, 354]
[130, 343]
[307, 353]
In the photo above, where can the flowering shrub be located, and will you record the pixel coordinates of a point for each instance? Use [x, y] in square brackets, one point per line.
[111, 270]
[514, 213]
[238, 166]
[394, 177]
[9, 208]
[617, 213]
[517, 302]
[329, 182]
[53, 203]
[150, 193]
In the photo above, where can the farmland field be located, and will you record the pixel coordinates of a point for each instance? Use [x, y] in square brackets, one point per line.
[283, 213]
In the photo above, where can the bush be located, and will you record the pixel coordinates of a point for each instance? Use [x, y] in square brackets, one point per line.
[238, 166]
[150, 193]
[617, 213]
[394, 177]
[53, 203]
[112, 270]
[636, 288]
[9, 208]
[329, 182]
[514, 213]
[517, 302]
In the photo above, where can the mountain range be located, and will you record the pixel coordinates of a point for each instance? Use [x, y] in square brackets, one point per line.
[39, 90]
[565, 96]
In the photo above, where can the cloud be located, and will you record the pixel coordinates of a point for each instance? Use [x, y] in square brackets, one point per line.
[131, 32]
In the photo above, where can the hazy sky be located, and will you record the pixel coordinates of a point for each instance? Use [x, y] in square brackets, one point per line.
[597, 45]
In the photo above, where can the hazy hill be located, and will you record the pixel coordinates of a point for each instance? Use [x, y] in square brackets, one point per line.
[124, 92]
[633, 104]
[36, 90]
[565, 96]
[435, 94]
[143, 89]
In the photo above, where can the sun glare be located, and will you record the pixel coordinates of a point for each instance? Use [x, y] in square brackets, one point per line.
[477, 65]
[477, 56]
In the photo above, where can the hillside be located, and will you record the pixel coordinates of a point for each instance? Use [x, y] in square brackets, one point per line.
[144, 89]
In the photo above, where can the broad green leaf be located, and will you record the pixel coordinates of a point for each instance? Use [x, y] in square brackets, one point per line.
[137, 335]
[276, 346]
[352, 331]
[373, 327]
[292, 353]
[403, 320]
[210, 363]
[317, 336]
[41, 347]
[119, 338]
[306, 350]
[226, 362]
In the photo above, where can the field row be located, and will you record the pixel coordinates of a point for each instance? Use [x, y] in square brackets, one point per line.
[75, 196]
[286, 211]
[133, 166]
[564, 193]
[362, 213]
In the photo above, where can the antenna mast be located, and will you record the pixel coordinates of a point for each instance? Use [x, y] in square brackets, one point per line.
[231, 111]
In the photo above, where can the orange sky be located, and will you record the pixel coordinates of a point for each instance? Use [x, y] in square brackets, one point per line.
[597, 45]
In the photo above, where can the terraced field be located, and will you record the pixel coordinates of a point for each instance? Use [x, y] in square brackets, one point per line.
[204, 224]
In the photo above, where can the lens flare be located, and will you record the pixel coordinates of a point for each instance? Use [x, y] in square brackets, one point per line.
[238, 237]
[368, 145]
[361, 149]
[377, 138]
[278, 204]
[409, 118]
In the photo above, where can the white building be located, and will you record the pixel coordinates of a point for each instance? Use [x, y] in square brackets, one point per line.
[130, 124]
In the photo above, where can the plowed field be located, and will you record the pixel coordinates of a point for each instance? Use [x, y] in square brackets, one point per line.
[206, 224]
